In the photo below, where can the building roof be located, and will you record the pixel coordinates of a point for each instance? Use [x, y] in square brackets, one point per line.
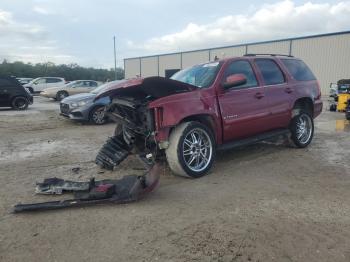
[245, 44]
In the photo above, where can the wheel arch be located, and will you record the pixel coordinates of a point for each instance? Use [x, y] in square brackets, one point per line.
[305, 103]
[16, 96]
[205, 119]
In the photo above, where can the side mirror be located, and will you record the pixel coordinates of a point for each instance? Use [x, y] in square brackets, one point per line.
[234, 80]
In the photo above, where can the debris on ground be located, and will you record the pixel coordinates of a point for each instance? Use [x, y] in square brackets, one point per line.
[127, 189]
[76, 170]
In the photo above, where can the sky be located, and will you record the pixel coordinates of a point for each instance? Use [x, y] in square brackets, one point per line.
[81, 31]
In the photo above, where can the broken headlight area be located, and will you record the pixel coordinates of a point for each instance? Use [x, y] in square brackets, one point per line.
[134, 132]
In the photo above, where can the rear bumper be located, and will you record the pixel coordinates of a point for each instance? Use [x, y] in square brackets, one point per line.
[318, 106]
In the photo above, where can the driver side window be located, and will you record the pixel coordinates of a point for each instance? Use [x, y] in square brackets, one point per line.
[242, 67]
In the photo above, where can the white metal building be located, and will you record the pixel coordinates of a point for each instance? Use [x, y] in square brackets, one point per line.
[328, 55]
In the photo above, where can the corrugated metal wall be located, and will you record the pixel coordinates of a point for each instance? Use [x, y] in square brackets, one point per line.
[149, 66]
[227, 52]
[167, 62]
[328, 56]
[132, 67]
[281, 47]
[193, 58]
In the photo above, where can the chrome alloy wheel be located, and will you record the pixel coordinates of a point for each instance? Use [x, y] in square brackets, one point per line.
[304, 129]
[197, 150]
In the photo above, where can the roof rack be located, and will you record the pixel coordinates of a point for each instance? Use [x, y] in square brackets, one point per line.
[268, 54]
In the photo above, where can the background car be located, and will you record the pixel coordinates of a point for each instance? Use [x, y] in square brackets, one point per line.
[13, 94]
[39, 84]
[82, 107]
[72, 88]
[24, 80]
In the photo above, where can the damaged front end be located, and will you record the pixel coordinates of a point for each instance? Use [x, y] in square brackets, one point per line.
[135, 134]
[136, 122]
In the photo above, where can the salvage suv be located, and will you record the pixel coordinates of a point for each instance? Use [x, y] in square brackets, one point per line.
[208, 107]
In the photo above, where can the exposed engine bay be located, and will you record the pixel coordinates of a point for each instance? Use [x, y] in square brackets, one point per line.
[135, 131]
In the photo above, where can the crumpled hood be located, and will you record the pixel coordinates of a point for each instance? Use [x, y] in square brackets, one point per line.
[78, 97]
[156, 87]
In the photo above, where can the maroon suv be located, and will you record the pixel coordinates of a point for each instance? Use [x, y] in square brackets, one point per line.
[216, 105]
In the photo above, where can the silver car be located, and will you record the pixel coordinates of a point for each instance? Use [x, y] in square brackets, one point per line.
[83, 108]
[72, 88]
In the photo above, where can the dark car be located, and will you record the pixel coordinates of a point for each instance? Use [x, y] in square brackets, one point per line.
[217, 105]
[13, 94]
[82, 107]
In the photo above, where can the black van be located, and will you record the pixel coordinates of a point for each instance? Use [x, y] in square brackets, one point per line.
[13, 94]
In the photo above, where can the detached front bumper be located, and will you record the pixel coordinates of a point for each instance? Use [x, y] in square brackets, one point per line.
[74, 113]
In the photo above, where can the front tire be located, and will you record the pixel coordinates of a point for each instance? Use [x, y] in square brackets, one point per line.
[302, 129]
[20, 103]
[191, 150]
[98, 116]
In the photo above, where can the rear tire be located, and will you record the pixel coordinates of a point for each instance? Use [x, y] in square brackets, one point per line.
[302, 129]
[61, 95]
[20, 103]
[191, 150]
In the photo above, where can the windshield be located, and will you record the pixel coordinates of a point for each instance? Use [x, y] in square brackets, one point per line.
[201, 76]
[106, 85]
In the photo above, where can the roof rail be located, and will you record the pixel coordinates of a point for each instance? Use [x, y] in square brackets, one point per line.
[268, 54]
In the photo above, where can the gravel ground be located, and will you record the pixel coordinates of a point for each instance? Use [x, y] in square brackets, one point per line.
[266, 202]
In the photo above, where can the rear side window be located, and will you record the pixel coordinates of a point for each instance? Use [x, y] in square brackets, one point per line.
[93, 84]
[53, 80]
[270, 71]
[298, 69]
[6, 83]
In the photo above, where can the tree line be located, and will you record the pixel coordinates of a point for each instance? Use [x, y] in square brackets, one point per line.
[69, 72]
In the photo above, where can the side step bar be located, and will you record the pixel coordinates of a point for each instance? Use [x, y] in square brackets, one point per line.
[254, 139]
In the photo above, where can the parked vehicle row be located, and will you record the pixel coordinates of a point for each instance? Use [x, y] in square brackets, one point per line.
[72, 88]
[83, 107]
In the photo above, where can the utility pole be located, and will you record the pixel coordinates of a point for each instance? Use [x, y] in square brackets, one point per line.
[115, 60]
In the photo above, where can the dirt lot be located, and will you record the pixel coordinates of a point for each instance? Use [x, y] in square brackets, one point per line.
[266, 202]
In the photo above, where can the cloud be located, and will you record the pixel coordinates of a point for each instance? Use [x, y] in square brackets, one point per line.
[27, 42]
[270, 21]
[41, 10]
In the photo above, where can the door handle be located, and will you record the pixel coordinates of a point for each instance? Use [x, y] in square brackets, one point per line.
[289, 90]
[259, 95]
